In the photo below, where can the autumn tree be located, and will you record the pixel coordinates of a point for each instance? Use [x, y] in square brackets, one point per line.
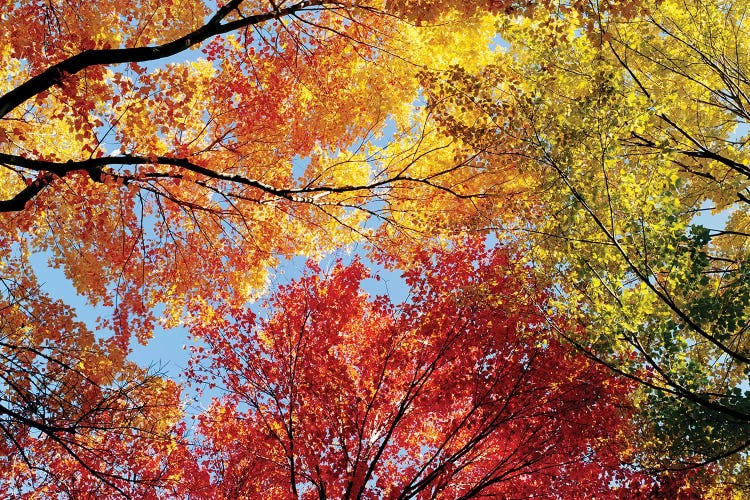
[76, 418]
[626, 130]
[164, 155]
[167, 154]
[140, 180]
[462, 391]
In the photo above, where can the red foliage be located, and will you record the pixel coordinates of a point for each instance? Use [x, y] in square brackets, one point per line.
[460, 391]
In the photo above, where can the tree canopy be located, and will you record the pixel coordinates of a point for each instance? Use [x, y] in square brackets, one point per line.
[538, 172]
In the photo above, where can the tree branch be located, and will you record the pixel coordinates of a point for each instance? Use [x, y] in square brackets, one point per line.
[19, 201]
[99, 57]
[94, 167]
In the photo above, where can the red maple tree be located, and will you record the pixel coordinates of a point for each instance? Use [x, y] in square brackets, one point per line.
[459, 392]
